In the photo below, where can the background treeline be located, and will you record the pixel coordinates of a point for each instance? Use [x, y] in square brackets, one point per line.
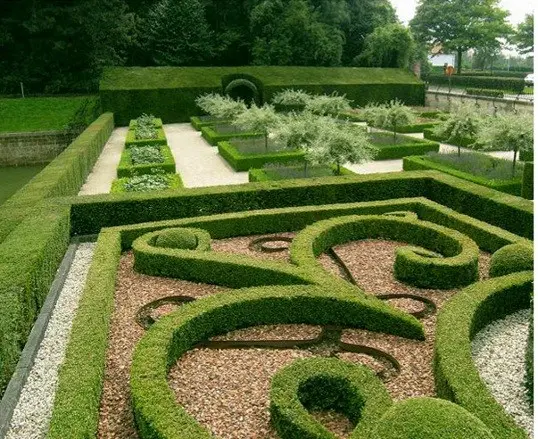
[60, 46]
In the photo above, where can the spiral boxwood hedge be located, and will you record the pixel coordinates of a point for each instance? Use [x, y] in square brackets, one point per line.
[456, 376]
[325, 384]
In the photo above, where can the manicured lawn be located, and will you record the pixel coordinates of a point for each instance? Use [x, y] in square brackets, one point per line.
[40, 114]
[14, 177]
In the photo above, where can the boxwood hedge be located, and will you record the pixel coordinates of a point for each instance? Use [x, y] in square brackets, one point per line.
[126, 168]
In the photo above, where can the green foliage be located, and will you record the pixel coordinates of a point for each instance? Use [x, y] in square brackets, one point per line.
[524, 37]
[460, 25]
[141, 155]
[512, 258]
[391, 116]
[388, 46]
[507, 132]
[145, 136]
[156, 181]
[325, 105]
[527, 184]
[220, 107]
[485, 92]
[152, 159]
[177, 238]
[461, 125]
[278, 171]
[176, 33]
[462, 166]
[404, 146]
[258, 120]
[215, 133]
[291, 96]
[424, 418]
[456, 376]
[514, 85]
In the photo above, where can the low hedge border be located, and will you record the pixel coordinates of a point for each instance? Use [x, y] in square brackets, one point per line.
[156, 411]
[401, 150]
[485, 92]
[417, 127]
[456, 376]
[256, 175]
[243, 162]
[118, 185]
[198, 123]
[157, 123]
[325, 384]
[80, 381]
[514, 214]
[458, 268]
[131, 140]
[127, 169]
[527, 184]
[492, 82]
[213, 137]
[415, 163]
[429, 134]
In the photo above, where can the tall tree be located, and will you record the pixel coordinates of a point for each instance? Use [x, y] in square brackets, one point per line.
[459, 25]
[290, 32]
[524, 37]
[177, 33]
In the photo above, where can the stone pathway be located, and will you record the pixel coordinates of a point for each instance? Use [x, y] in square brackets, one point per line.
[104, 171]
[199, 163]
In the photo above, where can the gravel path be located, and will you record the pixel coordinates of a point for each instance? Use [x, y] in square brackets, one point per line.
[499, 354]
[199, 163]
[104, 171]
[32, 415]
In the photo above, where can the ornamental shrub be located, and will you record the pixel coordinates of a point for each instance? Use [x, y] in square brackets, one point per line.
[177, 238]
[511, 259]
[328, 104]
[291, 96]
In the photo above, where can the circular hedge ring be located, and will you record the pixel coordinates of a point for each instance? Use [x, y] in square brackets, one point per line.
[240, 85]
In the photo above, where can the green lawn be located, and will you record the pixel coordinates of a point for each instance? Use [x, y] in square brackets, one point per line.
[14, 177]
[43, 114]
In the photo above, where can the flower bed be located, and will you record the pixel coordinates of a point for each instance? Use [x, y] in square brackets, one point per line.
[139, 160]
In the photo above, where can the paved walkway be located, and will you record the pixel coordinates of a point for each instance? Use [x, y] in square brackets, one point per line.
[104, 171]
[199, 163]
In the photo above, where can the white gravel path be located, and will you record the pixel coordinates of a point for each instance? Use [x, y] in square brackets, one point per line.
[199, 163]
[32, 414]
[104, 171]
[499, 354]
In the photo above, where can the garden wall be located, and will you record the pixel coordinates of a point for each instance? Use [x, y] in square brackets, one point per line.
[170, 91]
[18, 149]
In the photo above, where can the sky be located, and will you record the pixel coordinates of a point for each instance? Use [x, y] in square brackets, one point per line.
[517, 9]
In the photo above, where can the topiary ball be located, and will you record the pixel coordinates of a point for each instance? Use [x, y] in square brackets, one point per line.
[511, 259]
[177, 238]
[429, 418]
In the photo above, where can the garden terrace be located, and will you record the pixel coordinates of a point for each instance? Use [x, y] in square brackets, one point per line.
[282, 254]
[171, 91]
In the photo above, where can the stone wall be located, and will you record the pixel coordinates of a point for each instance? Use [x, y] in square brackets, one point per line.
[17, 149]
[444, 100]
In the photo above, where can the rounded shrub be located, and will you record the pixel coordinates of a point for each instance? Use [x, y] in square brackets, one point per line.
[177, 238]
[426, 418]
[511, 259]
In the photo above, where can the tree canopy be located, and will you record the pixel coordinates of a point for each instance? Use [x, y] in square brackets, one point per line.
[459, 25]
[524, 37]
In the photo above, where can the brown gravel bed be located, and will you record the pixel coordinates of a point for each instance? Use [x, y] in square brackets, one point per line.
[240, 245]
[272, 332]
[408, 305]
[133, 290]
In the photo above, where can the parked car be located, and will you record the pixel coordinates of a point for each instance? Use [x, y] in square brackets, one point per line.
[529, 79]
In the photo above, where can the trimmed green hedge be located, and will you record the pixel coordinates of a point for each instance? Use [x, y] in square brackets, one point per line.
[325, 384]
[171, 92]
[491, 82]
[182, 238]
[430, 135]
[485, 92]
[213, 136]
[256, 175]
[456, 376]
[244, 162]
[515, 214]
[458, 267]
[415, 163]
[527, 184]
[198, 123]
[157, 123]
[156, 411]
[131, 140]
[127, 169]
[417, 127]
[118, 185]
[497, 73]
[527, 155]
[512, 259]
[400, 150]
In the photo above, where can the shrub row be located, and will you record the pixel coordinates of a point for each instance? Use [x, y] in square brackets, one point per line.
[214, 136]
[156, 412]
[458, 267]
[527, 184]
[417, 127]
[412, 146]
[485, 92]
[119, 185]
[498, 73]
[255, 175]
[415, 163]
[491, 82]
[198, 122]
[90, 214]
[456, 376]
[157, 123]
[243, 162]
[131, 140]
[325, 384]
[127, 169]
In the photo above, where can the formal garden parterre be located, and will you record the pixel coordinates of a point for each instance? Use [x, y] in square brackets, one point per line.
[290, 307]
